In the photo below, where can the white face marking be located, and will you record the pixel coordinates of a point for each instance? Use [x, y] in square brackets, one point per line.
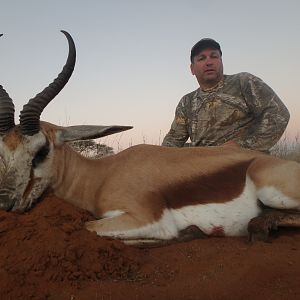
[19, 173]
[274, 198]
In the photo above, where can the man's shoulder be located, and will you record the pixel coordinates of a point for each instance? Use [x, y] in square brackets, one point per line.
[240, 80]
[188, 97]
[242, 76]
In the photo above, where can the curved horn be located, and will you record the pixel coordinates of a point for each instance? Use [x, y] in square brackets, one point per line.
[30, 115]
[7, 111]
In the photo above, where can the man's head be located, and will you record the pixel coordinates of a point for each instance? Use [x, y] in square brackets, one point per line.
[206, 62]
[203, 44]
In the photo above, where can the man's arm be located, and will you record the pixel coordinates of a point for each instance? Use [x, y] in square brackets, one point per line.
[270, 116]
[178, 134]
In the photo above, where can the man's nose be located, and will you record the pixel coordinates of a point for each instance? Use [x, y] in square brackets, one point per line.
[208, 61]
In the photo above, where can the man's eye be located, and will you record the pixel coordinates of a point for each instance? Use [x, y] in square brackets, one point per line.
[214, 56]
[40, 156]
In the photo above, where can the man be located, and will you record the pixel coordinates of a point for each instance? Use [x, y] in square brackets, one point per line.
[239, 108]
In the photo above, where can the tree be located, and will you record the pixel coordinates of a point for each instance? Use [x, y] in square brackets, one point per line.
[89, 148]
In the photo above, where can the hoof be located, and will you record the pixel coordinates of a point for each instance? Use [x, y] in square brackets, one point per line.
[259, 228]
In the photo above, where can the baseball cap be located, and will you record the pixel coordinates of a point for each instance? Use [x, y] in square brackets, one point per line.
[204, 44]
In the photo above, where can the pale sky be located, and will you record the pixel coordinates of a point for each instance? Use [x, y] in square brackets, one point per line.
[133, 56]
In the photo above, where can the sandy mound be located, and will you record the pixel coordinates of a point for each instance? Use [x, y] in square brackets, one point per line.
[46, 254]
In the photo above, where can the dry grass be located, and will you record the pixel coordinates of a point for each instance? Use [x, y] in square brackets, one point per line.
[287, 149]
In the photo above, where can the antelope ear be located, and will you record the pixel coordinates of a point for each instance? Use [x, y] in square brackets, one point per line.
[86, 132]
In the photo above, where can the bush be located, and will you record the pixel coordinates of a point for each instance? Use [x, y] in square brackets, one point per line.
[89, 148]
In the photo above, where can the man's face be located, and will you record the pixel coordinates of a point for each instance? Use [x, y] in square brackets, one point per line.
[207, 66]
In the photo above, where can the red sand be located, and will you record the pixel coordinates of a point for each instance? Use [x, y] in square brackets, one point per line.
[46, 254]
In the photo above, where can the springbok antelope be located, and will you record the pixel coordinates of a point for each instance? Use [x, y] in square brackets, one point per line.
[144, 193]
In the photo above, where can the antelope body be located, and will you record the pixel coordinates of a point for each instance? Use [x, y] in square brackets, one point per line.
[144, 192]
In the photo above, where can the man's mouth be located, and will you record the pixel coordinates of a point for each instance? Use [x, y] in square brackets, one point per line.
[209, 71]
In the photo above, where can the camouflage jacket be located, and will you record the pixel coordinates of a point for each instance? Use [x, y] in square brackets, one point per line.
[240, 108]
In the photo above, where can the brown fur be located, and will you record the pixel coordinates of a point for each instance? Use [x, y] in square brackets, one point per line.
[50, 130]
[13, 139]
[271, 171]
[220, 186]
[29, 185]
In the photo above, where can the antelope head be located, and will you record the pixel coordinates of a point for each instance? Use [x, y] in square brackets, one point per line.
[27, 150]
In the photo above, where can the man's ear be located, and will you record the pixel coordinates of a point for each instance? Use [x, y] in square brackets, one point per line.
[192, 69]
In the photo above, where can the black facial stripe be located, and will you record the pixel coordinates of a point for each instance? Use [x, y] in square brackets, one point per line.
[41, 155]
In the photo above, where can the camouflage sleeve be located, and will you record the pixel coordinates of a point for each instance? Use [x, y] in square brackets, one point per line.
[178, 134]
[270, 116]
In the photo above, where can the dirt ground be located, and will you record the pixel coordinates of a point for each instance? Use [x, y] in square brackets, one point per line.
[46, 254]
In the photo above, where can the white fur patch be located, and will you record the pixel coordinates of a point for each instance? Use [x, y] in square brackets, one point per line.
[232, 217]
[165, 228]
[112, 214]
[272, 197]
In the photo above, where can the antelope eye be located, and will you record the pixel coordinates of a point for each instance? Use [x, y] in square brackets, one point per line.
[40, 156]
